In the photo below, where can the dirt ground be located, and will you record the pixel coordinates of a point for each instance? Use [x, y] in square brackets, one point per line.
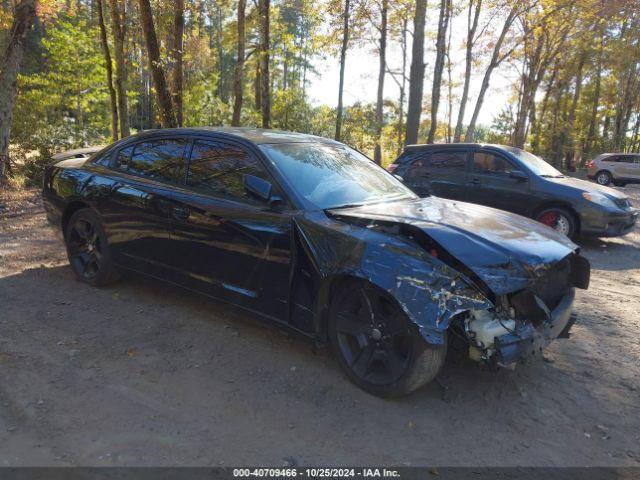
[141, 373]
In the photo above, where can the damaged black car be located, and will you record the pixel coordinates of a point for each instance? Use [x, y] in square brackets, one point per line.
[313, 236]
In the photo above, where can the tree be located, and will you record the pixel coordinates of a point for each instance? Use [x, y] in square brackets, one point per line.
[265, 83]
[238, 75]
[343, 61]
[473, 15]
[177, 55]
[24, 16]
[163, 97]
[441, 50]
[107, 59]
[497, 57]
[118, 18]
[377, 153]
[416, 73]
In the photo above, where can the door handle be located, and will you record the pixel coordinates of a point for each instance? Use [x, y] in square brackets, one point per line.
[181, 213]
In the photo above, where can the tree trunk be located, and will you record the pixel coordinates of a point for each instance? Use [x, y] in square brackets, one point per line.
[588, 144]
[377, 153]
[177, 54]
[24, 16]
[167, 115]
[441, 45]
[496, 59]
[119, 36]
[343, 59]
[402, 85]
[472, 26]
[449, 88]
[238, 74]
[568, 130]
[109, 67]
[265, 83]
[416, 74]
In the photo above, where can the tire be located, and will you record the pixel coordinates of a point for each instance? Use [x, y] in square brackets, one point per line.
[603, 178]
[376, 344]
[560, 219]
[88, 250]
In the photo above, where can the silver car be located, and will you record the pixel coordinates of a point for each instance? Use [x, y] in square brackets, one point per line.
[616, 168]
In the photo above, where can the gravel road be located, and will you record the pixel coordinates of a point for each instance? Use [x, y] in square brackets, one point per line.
[141, 373]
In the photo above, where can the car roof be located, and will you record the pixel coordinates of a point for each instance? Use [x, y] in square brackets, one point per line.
[255, 135]
[446, 146]
[619, 153]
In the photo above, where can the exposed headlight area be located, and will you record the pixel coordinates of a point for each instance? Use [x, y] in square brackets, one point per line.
[600, 199]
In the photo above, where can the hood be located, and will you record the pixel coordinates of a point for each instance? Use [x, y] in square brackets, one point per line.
[584, 186]
[505, 250]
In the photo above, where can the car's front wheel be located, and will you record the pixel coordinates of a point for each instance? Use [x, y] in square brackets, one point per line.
[559, 219]
[604, 178]
[88, 250]
[377, 345]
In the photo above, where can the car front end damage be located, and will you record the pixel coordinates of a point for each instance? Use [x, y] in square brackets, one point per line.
[521, 324]
[502, 283]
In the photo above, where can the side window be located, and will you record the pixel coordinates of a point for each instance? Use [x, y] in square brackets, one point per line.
[448, 160]
[626, 159]
[158, 159]
[122, 158]
[489, 163]
[218, 169]
[613, 158]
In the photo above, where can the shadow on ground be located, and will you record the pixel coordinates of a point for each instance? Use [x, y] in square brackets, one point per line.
[143, 373]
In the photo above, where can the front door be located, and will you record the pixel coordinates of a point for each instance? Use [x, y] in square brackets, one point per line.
[491, 184]
[228, 243]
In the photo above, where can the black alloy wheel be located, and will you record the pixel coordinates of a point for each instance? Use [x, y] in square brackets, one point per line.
[88, 249]
[376, 344]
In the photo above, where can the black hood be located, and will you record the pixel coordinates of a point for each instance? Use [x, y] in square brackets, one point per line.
[505, 250]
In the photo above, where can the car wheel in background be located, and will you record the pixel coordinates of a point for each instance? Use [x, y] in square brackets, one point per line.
[376, 344]
[559, 219]
[603, 178]
[88, 249]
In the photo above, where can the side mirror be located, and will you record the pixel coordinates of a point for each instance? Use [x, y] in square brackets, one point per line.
[518, 175]
[260, 188]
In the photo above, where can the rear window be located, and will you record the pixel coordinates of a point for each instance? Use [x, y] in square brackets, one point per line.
[447, 160]
[450, 160]
[160, 160]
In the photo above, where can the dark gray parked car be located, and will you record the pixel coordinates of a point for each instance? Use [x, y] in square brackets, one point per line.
[512, 179]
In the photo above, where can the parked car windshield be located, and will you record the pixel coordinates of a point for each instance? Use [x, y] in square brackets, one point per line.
[534, 163]
[331, 176]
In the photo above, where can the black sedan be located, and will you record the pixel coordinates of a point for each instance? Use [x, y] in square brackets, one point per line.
[310, 234]
[512, 179]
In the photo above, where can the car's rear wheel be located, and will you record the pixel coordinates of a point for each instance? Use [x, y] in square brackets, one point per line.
[376, 344]
[88, 250]
[559, 219]
[603, 178]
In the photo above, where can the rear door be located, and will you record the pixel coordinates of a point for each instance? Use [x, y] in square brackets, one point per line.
[137, 207]
[226, 242]
[636, 168]
[490, 183]
[626, 167]
[439, 172]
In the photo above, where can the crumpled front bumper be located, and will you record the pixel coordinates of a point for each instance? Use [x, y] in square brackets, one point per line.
[528, 341]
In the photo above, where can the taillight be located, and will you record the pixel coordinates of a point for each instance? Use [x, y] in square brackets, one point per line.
[590, 164]
[392, 168]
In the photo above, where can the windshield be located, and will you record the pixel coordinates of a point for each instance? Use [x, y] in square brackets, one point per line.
[535, 164]
[331, 176]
